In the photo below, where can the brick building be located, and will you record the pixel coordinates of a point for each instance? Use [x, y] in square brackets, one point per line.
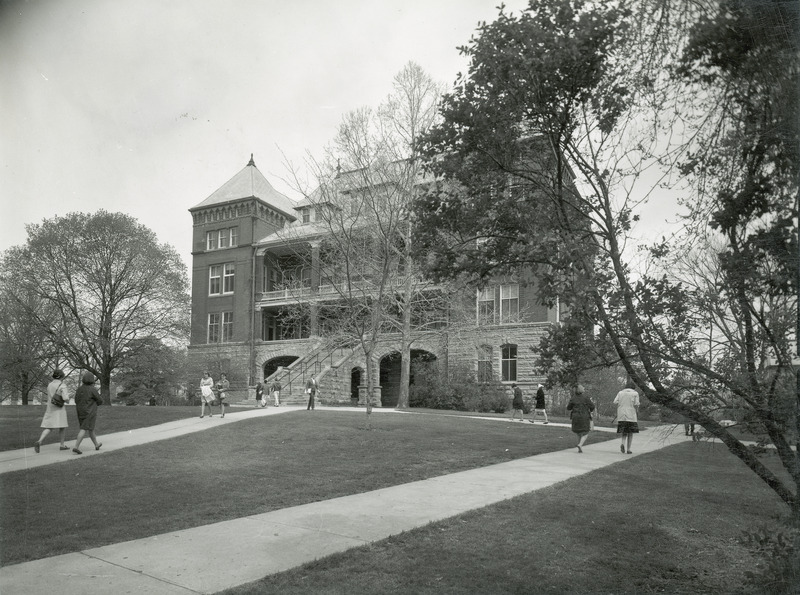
[246, 273]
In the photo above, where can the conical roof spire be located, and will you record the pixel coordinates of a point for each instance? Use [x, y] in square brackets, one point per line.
[250, 183]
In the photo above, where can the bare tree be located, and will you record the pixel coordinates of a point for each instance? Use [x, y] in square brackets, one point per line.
[110, 284]
[366, 184]
[27, 353]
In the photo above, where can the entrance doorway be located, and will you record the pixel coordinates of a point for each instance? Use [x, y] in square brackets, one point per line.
[355, 382]
[390, 374]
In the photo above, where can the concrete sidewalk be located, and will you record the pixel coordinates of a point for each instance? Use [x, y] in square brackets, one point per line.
[26, 458]
[214, 557]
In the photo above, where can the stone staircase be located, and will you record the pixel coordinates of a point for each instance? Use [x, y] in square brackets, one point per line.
[325, 363]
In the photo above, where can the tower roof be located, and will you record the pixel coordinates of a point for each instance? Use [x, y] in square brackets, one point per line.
[250, 183]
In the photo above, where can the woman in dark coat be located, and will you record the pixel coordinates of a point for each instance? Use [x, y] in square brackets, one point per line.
[581, 408]
[86, 401]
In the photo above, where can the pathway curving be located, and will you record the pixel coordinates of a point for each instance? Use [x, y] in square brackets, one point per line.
[177, 562]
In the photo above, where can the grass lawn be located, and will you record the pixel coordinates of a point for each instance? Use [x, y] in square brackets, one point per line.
[253, 466]
[670, 521]
[667, 522]
[20, 426]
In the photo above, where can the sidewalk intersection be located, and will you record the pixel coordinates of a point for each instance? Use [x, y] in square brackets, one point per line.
[178, 562]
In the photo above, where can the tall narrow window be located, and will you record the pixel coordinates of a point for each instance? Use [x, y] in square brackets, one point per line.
[227, 327]
[508, 363]
[213, 328]
[211, 240]
[485, 363]
[215, 279]
[227, 277]
[234, 236]
[509, 303]
[224, 238]
[486, 306]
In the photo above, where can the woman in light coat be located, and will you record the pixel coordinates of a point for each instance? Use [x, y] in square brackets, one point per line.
[206, 394]
[627, 402]
[55, 417]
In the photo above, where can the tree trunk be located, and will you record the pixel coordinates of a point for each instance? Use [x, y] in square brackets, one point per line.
[405, 349]
[370, 381]
[105, 387]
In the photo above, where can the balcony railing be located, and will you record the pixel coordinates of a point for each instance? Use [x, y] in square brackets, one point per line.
[323, 291]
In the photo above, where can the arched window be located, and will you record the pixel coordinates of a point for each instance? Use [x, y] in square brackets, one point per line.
[508, 362]
[485, 371]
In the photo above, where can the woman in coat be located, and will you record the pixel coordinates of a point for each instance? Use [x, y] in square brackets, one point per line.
[581, 408]
[86, 401]
[206, 394]
[55, 417]
[627, 402]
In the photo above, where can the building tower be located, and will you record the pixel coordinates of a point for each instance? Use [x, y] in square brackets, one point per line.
[226, 226]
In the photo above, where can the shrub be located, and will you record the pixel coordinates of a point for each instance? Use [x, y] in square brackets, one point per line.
[459, 391]
[780, 570]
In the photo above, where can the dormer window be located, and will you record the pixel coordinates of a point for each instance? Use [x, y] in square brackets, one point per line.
[306, 215]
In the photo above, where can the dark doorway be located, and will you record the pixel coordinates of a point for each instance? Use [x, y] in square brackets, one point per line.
[355, 382]
[272, 365]
[390, 374]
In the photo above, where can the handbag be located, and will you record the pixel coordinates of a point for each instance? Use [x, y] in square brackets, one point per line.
[57, 399]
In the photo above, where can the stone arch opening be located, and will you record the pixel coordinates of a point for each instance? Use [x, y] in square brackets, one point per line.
[272, 365]
[356, 380]
[390, 374]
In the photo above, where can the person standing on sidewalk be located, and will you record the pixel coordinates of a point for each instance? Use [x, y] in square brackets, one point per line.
[86, 401]
[627, 402]
[206, 394]
[276, 392]
[311, 389]
[517, 404]
[540, 405]
[55, 416]
[581, 408]
[260, 395]
[222, 392]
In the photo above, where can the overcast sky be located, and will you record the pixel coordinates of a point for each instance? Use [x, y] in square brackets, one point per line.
[148, 106]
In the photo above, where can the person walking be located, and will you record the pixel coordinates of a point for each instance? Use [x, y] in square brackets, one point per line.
[222, 392]
[206, 394]
[627, 402]
[276, 392]
[580, 409]
[540, 405]
[55, 415]
[517, 404]
[260, 395]
[311, 390]
[86, 401]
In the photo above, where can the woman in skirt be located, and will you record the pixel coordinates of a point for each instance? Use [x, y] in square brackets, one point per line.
[627, 401]
[55, 417]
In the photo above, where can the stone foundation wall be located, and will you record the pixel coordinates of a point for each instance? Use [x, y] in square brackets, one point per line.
[463, 347]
